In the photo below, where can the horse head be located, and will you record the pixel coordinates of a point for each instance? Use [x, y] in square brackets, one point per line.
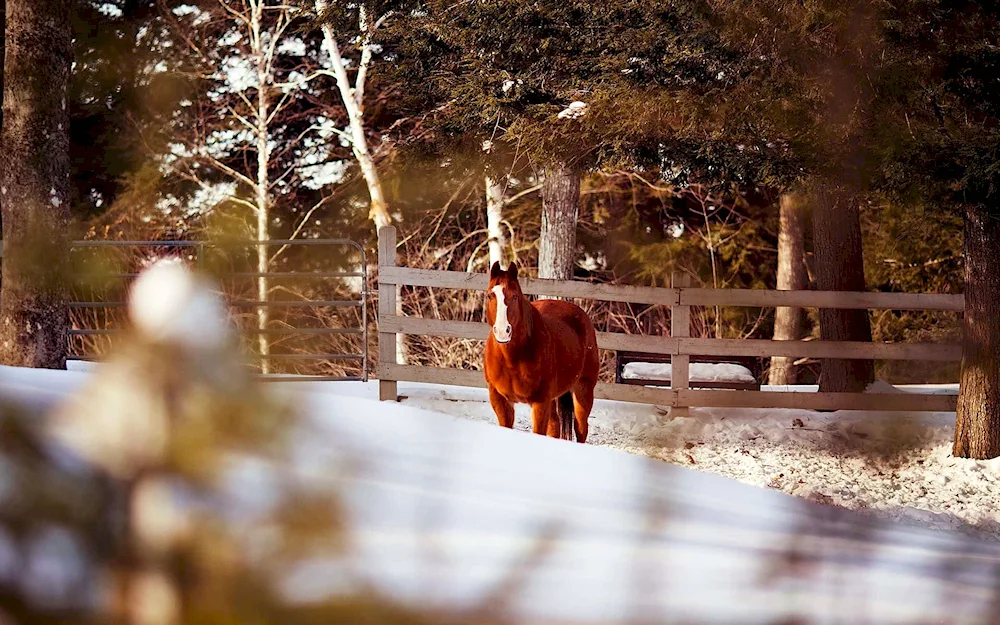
[505, 303]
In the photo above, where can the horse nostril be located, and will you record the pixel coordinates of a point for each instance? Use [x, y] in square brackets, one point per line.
[509, 329]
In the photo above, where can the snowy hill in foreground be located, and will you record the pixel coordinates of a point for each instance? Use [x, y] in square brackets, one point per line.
[444, 511]
[891, 465]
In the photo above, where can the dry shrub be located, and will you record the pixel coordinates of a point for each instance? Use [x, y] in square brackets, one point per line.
[297, 332]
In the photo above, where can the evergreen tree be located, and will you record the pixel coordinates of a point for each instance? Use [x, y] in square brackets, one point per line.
[118, 96]
[572, 87]
[824, 63]
[939, 132]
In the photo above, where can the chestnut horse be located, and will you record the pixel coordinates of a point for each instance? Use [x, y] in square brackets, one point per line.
[541, 353]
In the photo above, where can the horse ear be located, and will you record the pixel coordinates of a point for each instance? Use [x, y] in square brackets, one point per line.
[512, 270]
[495, 271]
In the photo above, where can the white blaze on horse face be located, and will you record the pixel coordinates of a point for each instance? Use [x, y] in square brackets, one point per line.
[501, 327]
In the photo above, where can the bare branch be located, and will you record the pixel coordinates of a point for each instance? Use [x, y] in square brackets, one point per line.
[214, 162]
[521, 194]
[306, 79]
[278, 108]
[243, 120]
[178, 30]
[302, 224]
[236, 14]
[366, 54]
[205, 186]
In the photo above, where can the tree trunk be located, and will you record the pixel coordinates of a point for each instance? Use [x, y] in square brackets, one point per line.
[560, 208]
[352, 96]
[379, 212]
[263, 286]
[977, 425]
[791, 277]
[3, 28]
[494, 221]
[34, 184]
[262, 190]
[840, 267]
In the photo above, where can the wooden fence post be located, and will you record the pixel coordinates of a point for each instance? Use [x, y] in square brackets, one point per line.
[680, 326]
[387, 387]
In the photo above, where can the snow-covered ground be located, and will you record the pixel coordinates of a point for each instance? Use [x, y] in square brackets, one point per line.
[446, 512]
[892, 465]
[889, 464]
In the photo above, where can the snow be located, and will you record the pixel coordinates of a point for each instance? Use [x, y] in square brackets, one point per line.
[169, 304]
[626, 537]
[698, 372]
[444, 510]
[38, 390]
[891, 465]
[575, 110]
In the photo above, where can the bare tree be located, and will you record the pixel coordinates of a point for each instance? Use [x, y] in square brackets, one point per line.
[495, 237]
[34, 183]
[791, 277]
[353, 98]
[251, 123]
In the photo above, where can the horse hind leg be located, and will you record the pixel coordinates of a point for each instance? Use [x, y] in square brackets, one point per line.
[583, 403]
[565, 411]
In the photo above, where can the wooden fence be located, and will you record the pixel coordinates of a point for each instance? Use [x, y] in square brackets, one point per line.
[680, 345]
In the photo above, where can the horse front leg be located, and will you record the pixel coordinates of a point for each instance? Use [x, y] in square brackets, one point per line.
[555, 421]
[503, 409]
[540, 414]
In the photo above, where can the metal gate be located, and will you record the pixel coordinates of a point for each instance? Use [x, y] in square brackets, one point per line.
[316, 309]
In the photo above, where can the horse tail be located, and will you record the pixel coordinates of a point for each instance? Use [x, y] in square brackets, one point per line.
[564, 408]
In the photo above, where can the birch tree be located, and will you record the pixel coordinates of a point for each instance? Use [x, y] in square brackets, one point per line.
[352, 95]
[256, 135]
[791, 277]
[495, 238]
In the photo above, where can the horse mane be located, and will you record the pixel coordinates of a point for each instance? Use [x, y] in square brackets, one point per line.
[530, 316]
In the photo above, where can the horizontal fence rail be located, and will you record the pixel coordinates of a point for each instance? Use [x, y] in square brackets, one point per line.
[683, 398]
[737, 298]
[675, 346]
[679, 298]
[105, 314]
